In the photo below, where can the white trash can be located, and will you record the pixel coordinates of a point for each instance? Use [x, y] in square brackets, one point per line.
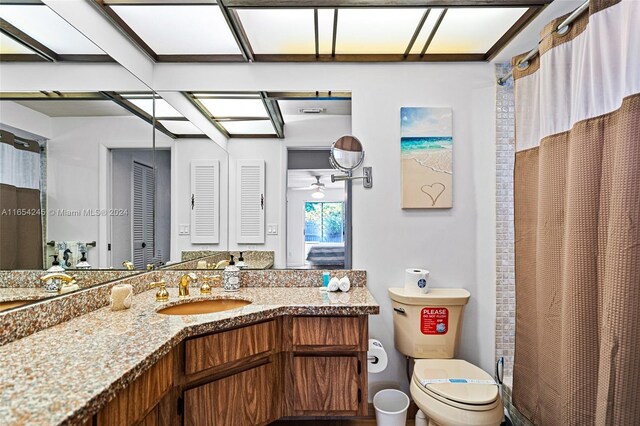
[391, 407]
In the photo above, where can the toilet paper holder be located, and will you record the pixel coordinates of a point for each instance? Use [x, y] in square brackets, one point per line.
[373, 359]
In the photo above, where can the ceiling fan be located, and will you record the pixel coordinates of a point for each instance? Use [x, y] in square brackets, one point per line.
[317, 187]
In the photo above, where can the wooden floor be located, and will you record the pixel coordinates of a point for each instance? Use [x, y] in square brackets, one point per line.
[330, 423]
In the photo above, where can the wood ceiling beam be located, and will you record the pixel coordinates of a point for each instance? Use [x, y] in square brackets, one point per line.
[200, 58]
[275, 115]
[316, 32]
[311, 96]
[135, 110]
[24, 39]
[433, 32]
[52, 96]
[21, 2]
[416, 33]
[128, 32]
[428, 57]
[159, 2]
[512, 32]
[331, 4]
[237, 30]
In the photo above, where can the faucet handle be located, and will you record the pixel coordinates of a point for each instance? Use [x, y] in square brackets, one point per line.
[162, 295]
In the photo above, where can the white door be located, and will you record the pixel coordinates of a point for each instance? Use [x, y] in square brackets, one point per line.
[142, 217]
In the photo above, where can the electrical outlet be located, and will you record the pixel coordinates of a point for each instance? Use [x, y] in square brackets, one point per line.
[272, 229]
[183, 230]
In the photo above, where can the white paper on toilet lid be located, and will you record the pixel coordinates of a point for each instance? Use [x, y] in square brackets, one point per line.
[456, 380]
[426, 382]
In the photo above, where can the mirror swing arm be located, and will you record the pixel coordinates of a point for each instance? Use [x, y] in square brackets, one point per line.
[367, 177]
[347, 155]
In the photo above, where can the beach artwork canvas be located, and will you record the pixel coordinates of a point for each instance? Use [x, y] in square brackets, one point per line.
[427, 158]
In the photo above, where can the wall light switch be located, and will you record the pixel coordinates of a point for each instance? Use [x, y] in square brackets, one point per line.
[272, 229]
[183, 230]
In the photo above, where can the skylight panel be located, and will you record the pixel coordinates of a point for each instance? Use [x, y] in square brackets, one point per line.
[235, 107]
[181, 127]
[44, 25]
[376, 31]
[253, 127]
[181, 29]
[279, 31]
[9, 46]
[163, 109]
[473, 30]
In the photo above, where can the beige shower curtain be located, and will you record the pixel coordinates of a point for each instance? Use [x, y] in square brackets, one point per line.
[577, 223]
[20, 219]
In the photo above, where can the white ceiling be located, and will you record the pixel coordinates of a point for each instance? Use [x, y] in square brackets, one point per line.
[68, 108]
[304, 178]
[291, 107]
[530, 36]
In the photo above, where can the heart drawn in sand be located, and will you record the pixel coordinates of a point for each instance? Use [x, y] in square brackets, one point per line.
[433, 191]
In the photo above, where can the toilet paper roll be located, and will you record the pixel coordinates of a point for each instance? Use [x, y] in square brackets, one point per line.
[415, 280]
[376, 357]
[121, 296]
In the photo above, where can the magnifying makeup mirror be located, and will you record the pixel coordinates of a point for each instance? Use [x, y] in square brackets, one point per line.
[347, 155]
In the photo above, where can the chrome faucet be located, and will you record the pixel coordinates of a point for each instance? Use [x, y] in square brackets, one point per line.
[185, 282]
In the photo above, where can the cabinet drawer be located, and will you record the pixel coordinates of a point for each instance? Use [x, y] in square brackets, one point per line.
[131, 404]
[243, 399]
[326, 385]
[216, 349]
[330, 332]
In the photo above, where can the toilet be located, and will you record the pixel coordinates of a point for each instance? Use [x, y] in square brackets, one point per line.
[427, 329]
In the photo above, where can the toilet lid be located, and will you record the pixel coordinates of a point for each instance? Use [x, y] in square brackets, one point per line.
[465, 393]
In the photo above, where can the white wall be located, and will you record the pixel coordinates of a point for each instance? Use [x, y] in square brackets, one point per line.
[295, 221]
[76, 176]
[184, 151]
[457, 244]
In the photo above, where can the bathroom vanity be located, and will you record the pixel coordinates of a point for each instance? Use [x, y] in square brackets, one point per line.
[253, 375]
[291, 352]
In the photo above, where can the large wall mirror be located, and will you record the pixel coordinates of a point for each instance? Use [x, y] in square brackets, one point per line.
[101, 183]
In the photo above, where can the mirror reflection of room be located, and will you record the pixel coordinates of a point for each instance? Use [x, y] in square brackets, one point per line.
[316, 213]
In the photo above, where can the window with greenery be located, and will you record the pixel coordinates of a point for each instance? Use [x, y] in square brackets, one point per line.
[324, 222]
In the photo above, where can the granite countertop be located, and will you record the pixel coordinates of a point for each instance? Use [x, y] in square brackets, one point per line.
[67, 372]
[23, 293]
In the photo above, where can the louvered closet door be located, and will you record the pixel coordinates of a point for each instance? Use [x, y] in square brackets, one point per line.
[205, 201]
[250, 201]
[142, 221]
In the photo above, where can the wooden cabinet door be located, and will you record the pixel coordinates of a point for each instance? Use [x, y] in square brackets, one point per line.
[131, 404]
[326, 385]
[243, 399]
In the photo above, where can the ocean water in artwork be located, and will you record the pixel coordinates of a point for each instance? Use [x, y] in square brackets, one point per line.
[432, 152]
[426, 147]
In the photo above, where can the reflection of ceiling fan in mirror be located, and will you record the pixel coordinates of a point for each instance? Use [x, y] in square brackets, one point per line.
[317, 187]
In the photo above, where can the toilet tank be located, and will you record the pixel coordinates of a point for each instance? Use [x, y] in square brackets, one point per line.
[428, 325]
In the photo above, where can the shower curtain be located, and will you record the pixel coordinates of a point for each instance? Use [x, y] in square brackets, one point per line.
[20, 220]
[577, 222]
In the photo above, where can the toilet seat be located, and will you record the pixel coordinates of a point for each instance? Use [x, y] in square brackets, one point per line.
[471, 396]
[455, 404]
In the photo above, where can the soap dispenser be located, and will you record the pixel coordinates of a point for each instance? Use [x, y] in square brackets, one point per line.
[55, 265]
[83, 264]
[241, 263]
[231, 276]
